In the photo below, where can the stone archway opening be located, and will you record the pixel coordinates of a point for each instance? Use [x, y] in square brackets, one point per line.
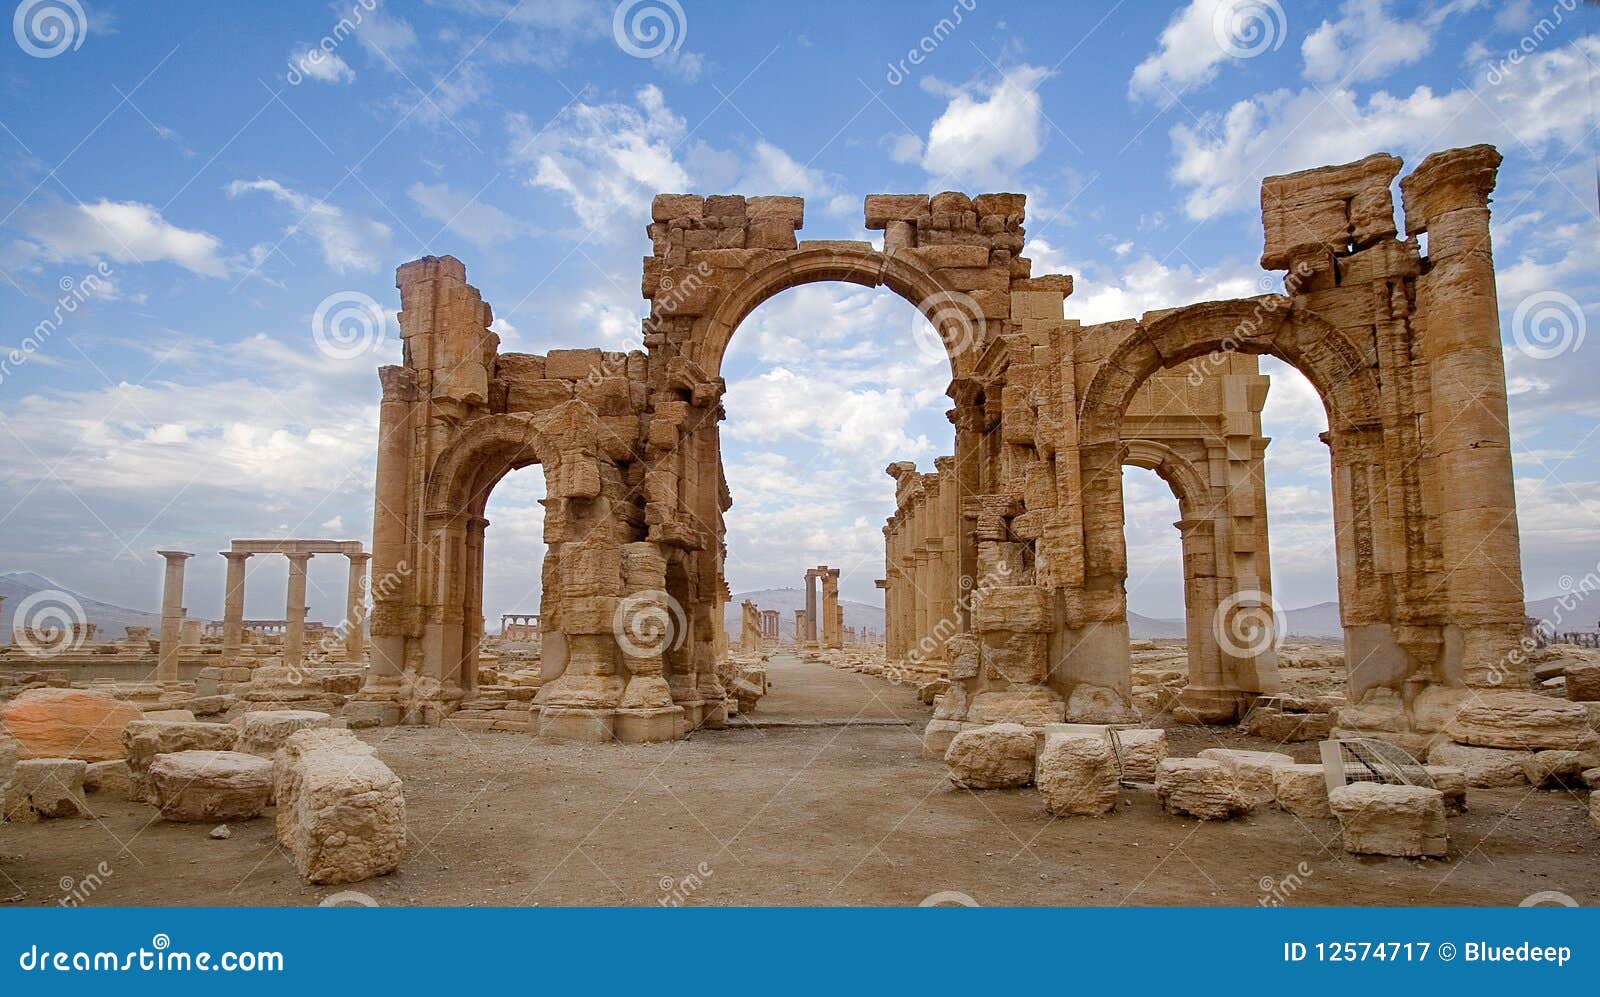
[513, 568]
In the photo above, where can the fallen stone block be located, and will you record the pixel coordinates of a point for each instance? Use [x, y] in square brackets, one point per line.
[1522, 720]
[1199, 787]
[1485, 768]
[169, 716]
[1583, 681]
[1143, 750]
[1376, 819]
[1077, 776]
[46, 789]
[110, 778]
[143, 740]
[1302, 790]
[1252, 770]
[1558, 769]
[999, 756]
[68, 723]
[341, 811]
[263, 732]
[1591, 778]
[211, 786]
[1451, 782]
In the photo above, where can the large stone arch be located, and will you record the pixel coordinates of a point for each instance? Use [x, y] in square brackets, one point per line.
[851, 263]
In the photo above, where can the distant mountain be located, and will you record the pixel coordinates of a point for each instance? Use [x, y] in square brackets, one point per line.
[1321, 620]
[111, 621]
[1150, 628]
[1568, 613]
[787, 600]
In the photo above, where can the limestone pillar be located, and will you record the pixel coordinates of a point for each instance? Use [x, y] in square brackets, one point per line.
[171, 615]
[811, 606]
[294, 611]
[355, 620]
[799, 627]
[831, 636]
[1447, 197]
[233, 606]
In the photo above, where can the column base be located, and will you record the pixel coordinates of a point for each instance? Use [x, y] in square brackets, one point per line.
[714, 715]
[647, 726]
[565, 724]
[693, 716]
[372, 713]
[1210, 707]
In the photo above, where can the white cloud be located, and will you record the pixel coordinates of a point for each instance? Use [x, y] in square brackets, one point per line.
[323, 66]
[1187, 55]
[985, 133]
[347, 242]
[1365, 43]
[1102, 294]
[125, 231]
[1539, 105]
[465, 215]
[606, 160]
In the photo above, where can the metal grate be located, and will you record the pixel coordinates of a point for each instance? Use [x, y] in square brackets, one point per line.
[1368, 759]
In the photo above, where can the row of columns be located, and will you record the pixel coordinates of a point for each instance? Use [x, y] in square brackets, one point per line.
[828, 629]
[173, 611]
[921, 572]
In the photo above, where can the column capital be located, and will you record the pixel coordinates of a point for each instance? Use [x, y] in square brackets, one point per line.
[175, 555]
[235, 555]
[360, 557]
[299, 557]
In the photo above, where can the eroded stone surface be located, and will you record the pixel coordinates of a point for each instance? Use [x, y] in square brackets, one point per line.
[999, 756]
[1302, 790]
[210, 785]
[1251, 770]
[145, 739]
[68, 723]
[1077, 776]
[1199, 787]
[1486, 768]
[1390, 820]
[46, 789]
[263, 732]
[1522, 720]
[341, 811]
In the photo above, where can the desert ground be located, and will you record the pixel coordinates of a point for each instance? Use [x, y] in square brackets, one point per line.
[822, 796]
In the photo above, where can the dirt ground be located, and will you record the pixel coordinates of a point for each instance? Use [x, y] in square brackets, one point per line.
[828, 802]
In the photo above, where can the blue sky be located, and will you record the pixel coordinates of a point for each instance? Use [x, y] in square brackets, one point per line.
[197, 187]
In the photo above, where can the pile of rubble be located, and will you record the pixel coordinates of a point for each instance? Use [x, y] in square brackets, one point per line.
[340, 811]
[1082, 770]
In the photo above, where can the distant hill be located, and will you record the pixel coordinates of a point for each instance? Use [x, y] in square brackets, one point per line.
[111, 621]
[1321, 620]
[1577, 615]
[787, 600]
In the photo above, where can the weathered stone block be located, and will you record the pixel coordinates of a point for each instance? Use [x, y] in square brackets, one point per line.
[263, 732]
[211, 785]
[1503, 719]
[1451, 782]
[1251, 770]
[1143, 751]
[1077, 776]
[999, 756]
[1486, 768]
[1094, 704]
[1199, 787]
[1583, 681]
[1390, 820]
[881, 209]
[145, 739]
[68, 723]
[341, 811]
[1556, 769]
[46, 789]
[1302, 790]
[110, 778]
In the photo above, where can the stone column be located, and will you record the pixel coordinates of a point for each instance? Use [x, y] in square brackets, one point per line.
[355, 618]
[799, 627]
[811, 607]
[831, 636]
[171, 616]
[1459, 341]
[294, 612]
[233, 606]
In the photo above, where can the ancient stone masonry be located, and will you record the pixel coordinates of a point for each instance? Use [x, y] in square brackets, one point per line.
[1015, 539]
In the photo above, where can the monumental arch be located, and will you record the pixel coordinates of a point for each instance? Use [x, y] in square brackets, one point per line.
[1401, 342]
